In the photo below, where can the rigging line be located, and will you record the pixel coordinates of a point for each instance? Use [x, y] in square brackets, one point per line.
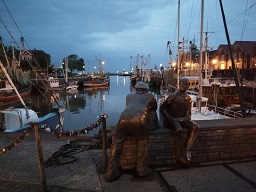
[236, 16]
[12, 17]
[19, 31]
[18, 44]
[247, 18]
[243, 28]
[190, 19]
[15, 23]
[26, 44]
[212, 23]
[9, 32]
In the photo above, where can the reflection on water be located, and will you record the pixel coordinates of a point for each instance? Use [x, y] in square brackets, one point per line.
[84, 106]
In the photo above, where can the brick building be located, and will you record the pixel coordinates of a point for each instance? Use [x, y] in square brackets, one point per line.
[244, 54]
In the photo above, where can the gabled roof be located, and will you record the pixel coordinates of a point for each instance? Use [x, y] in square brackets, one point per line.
[38, 54]
[246, 46]
[223, 47]
[25, 52]
[212, 52]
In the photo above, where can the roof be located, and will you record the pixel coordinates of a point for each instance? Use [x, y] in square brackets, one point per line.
[246, 46]
[223, 47]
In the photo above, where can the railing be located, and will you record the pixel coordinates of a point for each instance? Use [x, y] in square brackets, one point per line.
[251, 84]
[228, 111]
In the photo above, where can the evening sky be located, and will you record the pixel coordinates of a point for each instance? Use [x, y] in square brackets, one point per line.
[120, 31]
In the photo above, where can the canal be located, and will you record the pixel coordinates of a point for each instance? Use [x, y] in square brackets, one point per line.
[84, 106]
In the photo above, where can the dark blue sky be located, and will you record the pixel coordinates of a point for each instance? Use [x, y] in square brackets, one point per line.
[115, 30]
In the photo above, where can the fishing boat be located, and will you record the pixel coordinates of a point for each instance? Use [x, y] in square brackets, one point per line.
[20, 78]
[18, 119]
[7, 94]
[200, 110]
[95, 81]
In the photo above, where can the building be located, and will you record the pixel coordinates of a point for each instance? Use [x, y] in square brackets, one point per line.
[244, 54]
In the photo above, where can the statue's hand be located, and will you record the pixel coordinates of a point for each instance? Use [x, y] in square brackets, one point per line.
[181, 119]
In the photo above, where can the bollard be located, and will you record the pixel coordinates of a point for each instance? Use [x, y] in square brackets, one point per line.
[104, 136]
[40, 157]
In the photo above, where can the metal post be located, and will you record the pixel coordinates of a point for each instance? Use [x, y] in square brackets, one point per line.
[40, 157]
[104, 132]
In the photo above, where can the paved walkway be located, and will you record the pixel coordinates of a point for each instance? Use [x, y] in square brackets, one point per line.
[19, 173]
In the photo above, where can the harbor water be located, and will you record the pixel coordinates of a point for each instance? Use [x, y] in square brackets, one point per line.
[83, 107]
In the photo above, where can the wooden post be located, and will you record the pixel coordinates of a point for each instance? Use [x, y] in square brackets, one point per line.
[104, 132]
[40, 157]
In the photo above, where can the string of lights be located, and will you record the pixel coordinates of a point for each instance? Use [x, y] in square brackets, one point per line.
[59, 133]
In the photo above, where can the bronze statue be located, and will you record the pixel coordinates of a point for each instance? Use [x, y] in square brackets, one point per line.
[133, 121]
[176, 111]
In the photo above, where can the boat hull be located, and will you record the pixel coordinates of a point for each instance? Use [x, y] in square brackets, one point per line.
[11, 96]
[104, 84]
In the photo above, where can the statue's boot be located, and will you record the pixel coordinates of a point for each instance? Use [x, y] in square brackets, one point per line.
[178, 149]
[142, 161]
[191, 139]
[113, 171]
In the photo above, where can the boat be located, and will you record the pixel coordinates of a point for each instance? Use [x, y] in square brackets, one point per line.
[18, 119]
[19, 77]
[200, 110]
[7, 94]
[96, 79]
[71, 88]
[124, 73]
[54, 84]
[204, 111]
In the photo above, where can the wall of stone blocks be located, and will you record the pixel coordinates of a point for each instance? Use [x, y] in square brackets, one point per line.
[231, 141]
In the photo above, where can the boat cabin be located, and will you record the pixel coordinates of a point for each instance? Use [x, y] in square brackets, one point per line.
[5, 85]
[53, 82]
[12, 120]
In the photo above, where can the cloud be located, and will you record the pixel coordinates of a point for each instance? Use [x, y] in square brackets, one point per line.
[120, 29]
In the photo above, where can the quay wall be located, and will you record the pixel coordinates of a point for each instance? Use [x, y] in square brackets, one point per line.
[218, 140]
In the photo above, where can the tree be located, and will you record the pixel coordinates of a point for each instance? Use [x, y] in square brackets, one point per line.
[74, 63]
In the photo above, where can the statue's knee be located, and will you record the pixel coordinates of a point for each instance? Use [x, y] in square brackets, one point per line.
[142, 142]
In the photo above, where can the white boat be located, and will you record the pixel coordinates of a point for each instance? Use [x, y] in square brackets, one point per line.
[205, 112]
[72, 88]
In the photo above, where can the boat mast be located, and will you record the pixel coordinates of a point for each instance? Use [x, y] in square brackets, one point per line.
[201, 55]
[178, 61]
[232, 61]
[66, 69]
[206, 56]
[15, 89]
[1, 41]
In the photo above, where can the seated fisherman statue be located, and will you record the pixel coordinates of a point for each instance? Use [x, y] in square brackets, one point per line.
[176, 112]
[133, 121]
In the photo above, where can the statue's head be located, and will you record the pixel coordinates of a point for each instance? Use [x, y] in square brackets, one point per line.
[184, 83]
[141, 86]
